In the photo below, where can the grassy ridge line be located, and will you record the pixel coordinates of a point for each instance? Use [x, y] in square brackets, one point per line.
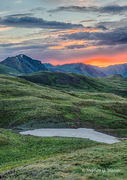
[78, 158]
[26, 105]
[17, 150]
[115, 84]
[65, 80]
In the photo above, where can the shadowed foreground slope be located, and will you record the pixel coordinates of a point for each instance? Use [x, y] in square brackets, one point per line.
[17, 150]
[60, 158]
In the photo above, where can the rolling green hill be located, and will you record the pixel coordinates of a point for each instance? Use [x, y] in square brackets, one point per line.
[62, 100]
[114, 84]
[64, 80]
[25, 105]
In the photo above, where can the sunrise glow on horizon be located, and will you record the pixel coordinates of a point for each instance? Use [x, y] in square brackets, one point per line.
[97, 61]
[92, 63]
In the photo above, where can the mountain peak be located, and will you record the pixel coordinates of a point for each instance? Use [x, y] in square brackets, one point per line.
[24, 64]
[16, 58]
[21, 56]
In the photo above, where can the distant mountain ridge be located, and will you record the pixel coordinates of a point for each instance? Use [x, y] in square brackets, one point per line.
[116, 69]
[24, 64]
[77, 68]
[89, 70]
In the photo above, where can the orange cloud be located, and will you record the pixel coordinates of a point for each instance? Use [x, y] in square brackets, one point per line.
[63, 32]
[56, 47]
[5, 28]
[86, 29]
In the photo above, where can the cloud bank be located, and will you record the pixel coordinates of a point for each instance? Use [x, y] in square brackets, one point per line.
[114, 9]
[34, 22]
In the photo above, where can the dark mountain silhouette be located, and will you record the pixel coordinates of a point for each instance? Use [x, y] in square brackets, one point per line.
[24, 64]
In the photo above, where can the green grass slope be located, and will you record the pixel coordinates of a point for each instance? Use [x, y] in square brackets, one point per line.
[17, 150]
[32, 158]
[7, 70]
[117, 84]
[25, 105]
[114, 84]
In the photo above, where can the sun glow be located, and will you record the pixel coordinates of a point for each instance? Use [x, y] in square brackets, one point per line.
[100, 61]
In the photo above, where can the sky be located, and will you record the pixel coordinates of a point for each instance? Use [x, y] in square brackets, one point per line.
[65, 31]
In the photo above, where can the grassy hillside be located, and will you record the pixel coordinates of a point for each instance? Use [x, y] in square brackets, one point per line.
[64, 80]
[26, 105]
[60, 158]
[117, 84]
[17, 150]
[114, 84]
[7, 70]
